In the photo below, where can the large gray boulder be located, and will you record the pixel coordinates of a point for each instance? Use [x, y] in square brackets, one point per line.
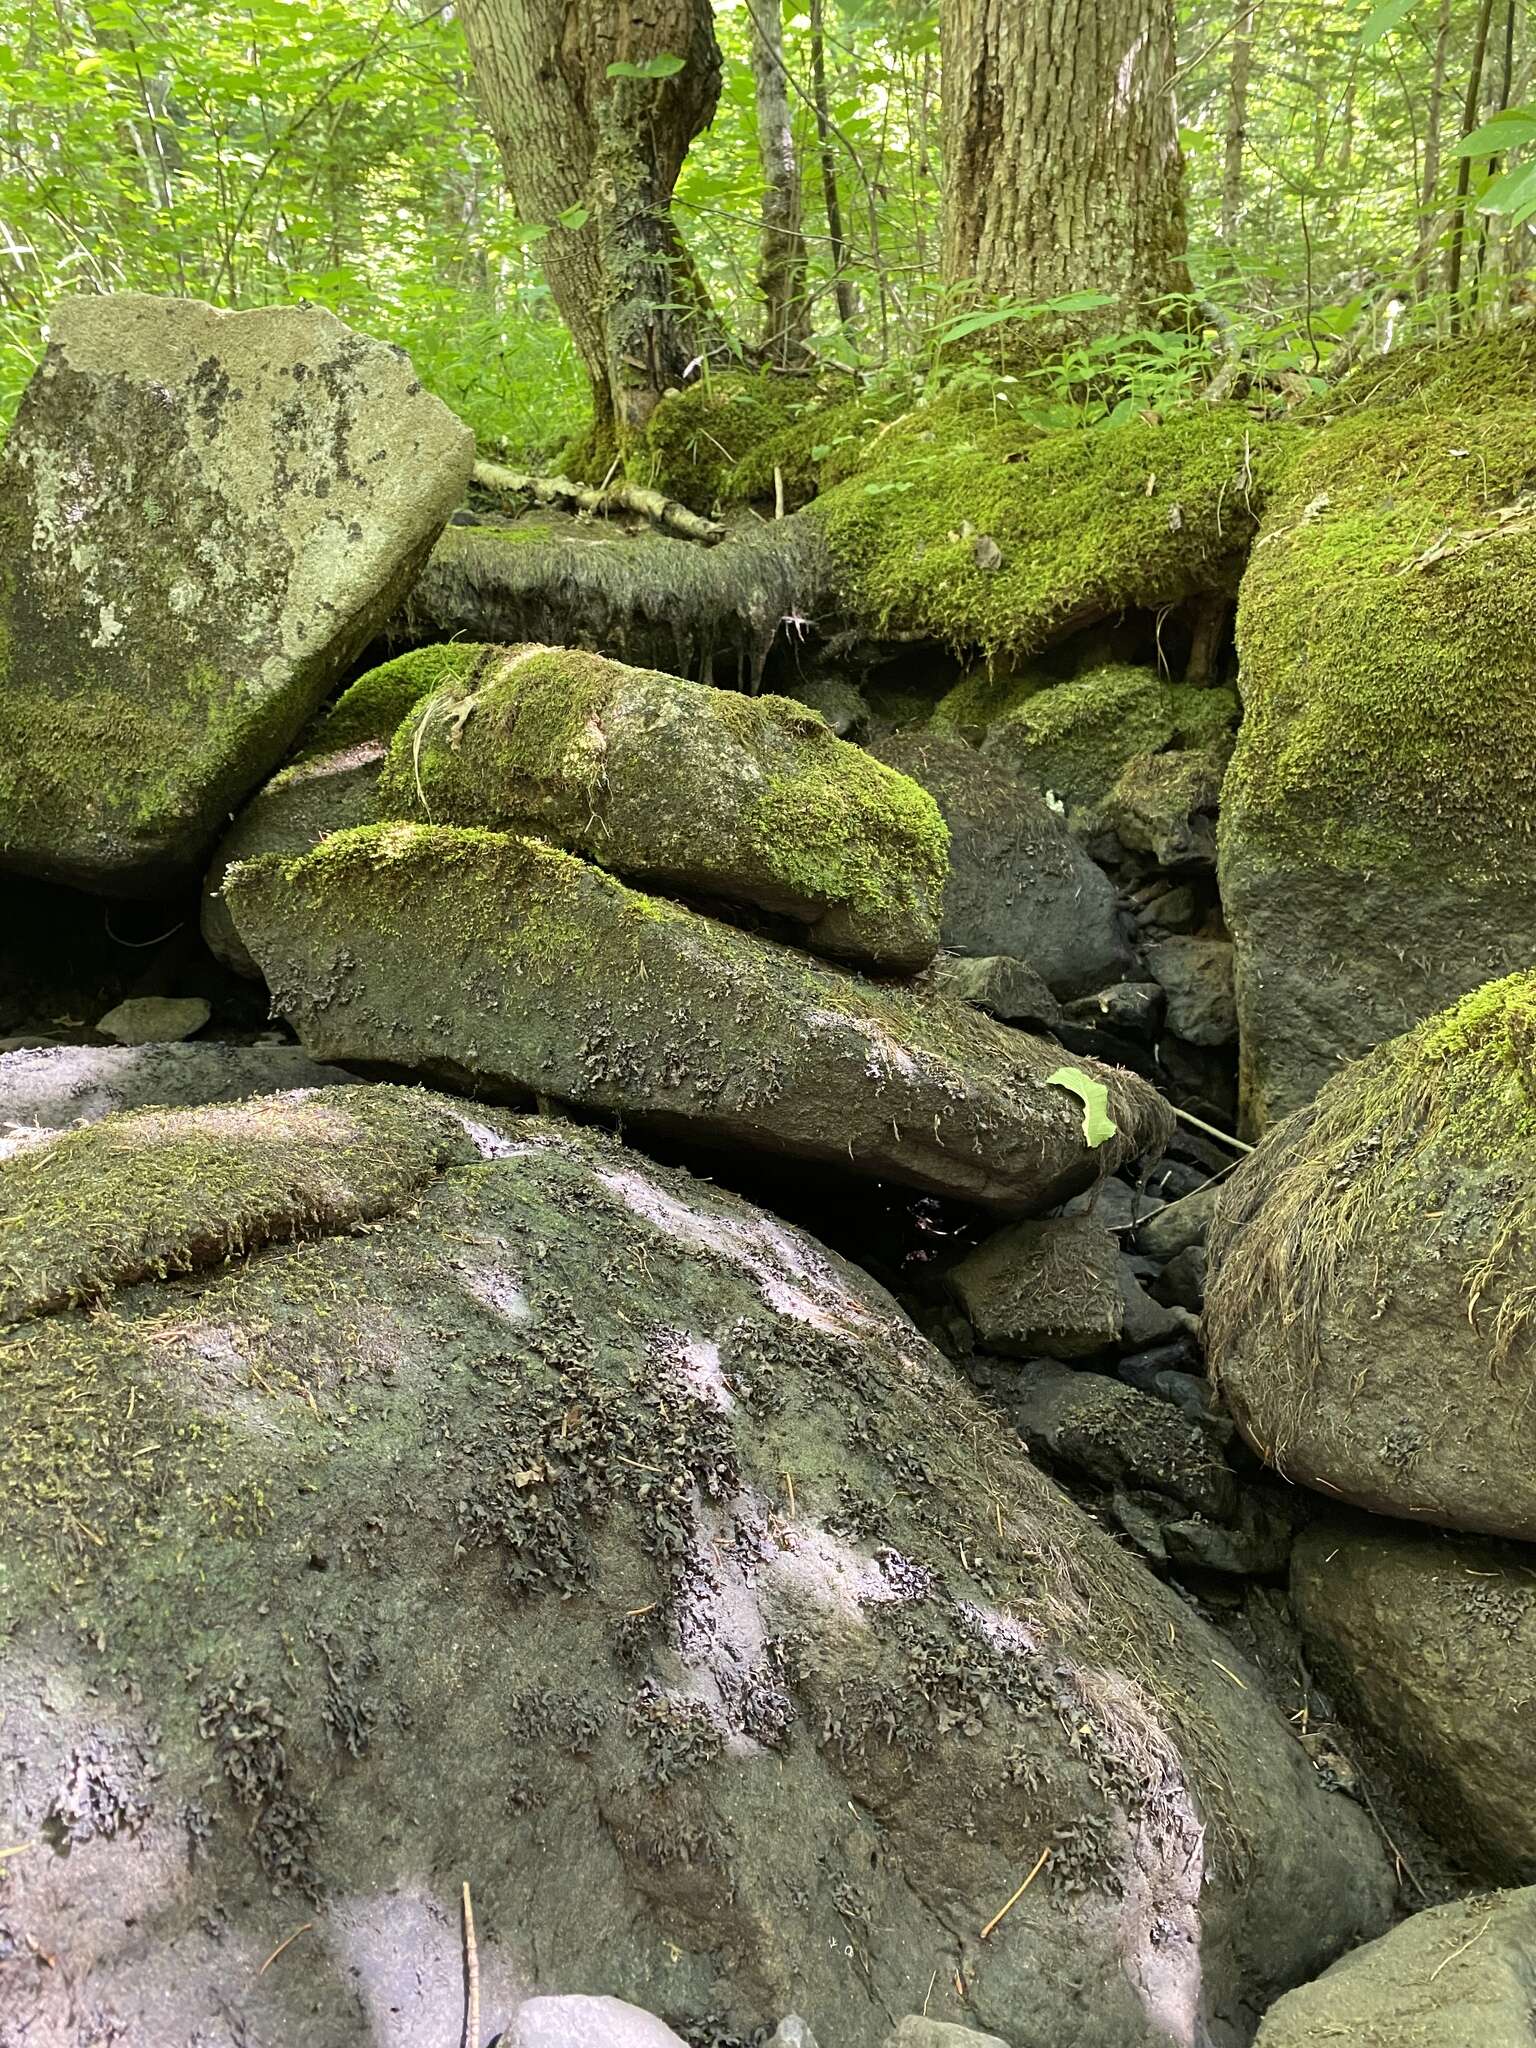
[1429, 1642]
[1457, 1976]
[1019, 882]
[1369, 1303]
[204, 517]
[681, 786]
[502, 965]
[458, 1499]
[331, 782]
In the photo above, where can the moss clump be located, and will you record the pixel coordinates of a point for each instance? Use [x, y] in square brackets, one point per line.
[1476, 374]
[163, 1191]
[751, 799]
[974, 529]
[1076, 737]
[372, 708]
[1387, 633]
[696, 437]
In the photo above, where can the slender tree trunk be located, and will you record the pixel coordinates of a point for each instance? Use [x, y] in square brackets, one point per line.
[605, 152]
[782, 258]
[1244, 29]
[1061, 148]
[1464, 166]
[1428, 213]
[832, 198]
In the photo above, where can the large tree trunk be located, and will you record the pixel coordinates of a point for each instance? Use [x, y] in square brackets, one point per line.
[1244, 17]
[1062, 164]
[782, 260]
[605, 151]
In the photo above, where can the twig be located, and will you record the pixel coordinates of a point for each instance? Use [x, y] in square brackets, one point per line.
[471, 1976]
[997, 1918]
[1186, 1116]
[271, 1959]
[1455, 1952]
[662, 511]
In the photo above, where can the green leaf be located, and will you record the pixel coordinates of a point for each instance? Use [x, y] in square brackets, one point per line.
[1513, 193]
[1509, 130]
[1381, 21]
[664, 66]
[1098, 1125]
[574, 217]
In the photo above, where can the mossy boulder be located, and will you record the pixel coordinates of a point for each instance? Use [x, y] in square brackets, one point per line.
[204, 517]
[1378, 822]
[569, 1529]
[1370, 1309]
[1076, 738]
[1019, 882]
[1449, 1977]
[1166, 805]
[964, 524]
[330, 782]
[682, 787]
[502, 964]
[695, 438]
[1428, 1643]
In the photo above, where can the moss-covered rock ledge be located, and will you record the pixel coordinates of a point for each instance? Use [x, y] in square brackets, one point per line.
[500, 964]
[681, 786]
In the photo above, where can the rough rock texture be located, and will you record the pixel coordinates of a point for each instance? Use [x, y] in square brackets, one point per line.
[1196, 977]
[1377, 856]
[48, 1089]
[204, 516]
[1075, 739]
[502, 964]
[154, 1020]
[1019, 883]
[1051, 1286]
[1429, 1641]
[682, 786]
[1007, 989]
[916, 2032]
[1369, 1304]
[1165, 805]
[329, 784]
[579, 1531]
[1457, 1976]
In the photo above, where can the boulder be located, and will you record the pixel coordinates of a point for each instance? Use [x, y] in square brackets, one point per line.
[917, 2032]
[1074, 739]
[49, 1088]
[1456, 1976]
[509, 1510]
[503, 965]
[1052, 1286]
[1369, 1300]
[204, 517]
[1377, 857]
[1019, 883]
[1428, 1642]
[583, 2022]
[1196, 977]
[1009, 990]
[154, 1020]
[1165, 805]
[682, 787]
[329, 784]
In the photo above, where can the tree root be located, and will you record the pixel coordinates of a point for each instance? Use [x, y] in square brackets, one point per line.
[667, 513]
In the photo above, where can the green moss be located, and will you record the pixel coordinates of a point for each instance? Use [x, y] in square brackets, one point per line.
[373, 707]
[1387, 634]
[696, 437]
[973, 529]
[1475, 374]
[1075, 737]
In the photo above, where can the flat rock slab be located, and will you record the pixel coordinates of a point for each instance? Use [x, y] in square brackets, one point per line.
[581, 2022]
[1457, 1976]
[499, 964]
[1429, 1642]
[154, 1020]
[522, 1513]
[681, 786]
[49, 1088]
[204, 517]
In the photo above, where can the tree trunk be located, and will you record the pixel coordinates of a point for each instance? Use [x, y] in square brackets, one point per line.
[782, 259]
[1244, 26]
[605, 152]
[1063, 171]
[1464, 165]
[832, 198]
[1428, 215]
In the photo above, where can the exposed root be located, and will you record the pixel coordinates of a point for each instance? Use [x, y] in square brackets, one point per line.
[514, 487]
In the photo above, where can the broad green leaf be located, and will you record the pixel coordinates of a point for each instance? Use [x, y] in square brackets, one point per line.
[574, 217]
[1513, 193]
[1098, 1125]
[664, 66]
[1382, 19]
[1509, 130]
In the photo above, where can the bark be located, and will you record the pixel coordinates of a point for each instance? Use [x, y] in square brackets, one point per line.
[1244, 26]
[1062, 151]
[832, 198]
[572, 137]
[782, 258]
[1428, 216]
[1464, 166]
